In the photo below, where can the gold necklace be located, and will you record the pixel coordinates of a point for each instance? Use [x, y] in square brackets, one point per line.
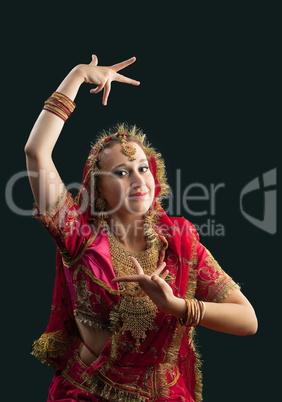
[136, 310]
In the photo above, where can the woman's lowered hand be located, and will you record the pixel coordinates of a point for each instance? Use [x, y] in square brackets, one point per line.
[157, 289]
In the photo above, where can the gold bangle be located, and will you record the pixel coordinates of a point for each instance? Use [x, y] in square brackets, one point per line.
[55, 106]
[59, 104]
[198, 313]
[195, 312]
[50, 107]
[65, 100]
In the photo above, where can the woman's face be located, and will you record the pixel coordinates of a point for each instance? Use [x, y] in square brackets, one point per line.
[128, 187]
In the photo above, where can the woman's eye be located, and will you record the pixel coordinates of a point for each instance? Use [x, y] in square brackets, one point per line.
[121, 173]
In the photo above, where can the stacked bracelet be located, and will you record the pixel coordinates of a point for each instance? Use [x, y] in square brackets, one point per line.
[195, 312]
[60, 105]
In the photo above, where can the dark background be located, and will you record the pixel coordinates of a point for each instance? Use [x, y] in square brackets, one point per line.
[208, 101]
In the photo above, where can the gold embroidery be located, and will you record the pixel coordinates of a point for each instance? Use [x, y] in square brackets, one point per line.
[111, 392]
[69, 264]
[82, 294]
[215, 283]
[55, 217]
[53, 208]
[100, 384]
[94, 279]
[86, 303]
[225, 292]
[51, 345]
[136, 310]
[192, 279]
[190, 293]
[75, 383]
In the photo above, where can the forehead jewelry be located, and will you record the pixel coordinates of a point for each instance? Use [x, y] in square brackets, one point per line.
[127, 149]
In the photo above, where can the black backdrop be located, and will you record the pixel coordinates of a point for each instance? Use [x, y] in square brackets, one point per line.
[207, 101]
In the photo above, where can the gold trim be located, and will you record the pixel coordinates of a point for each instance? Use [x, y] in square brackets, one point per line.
[53, 208]
[115, 391]
[75, 383]
[75, 260]
[190, 293]
[94, 279]
[51, 345]
[192, 278]
[225, 291]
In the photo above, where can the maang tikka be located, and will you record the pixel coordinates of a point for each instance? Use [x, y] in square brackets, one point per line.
[127, 149]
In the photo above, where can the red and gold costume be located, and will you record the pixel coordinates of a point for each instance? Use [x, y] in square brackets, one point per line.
[150, 355]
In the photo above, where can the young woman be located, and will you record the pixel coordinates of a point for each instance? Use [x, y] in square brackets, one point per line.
[124, 308]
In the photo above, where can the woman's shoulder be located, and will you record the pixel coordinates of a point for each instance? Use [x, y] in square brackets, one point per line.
[183, 226]
[181, 221]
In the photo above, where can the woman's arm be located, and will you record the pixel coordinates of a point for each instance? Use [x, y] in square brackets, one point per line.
[234, 315]
[45, 181]
[44, 178]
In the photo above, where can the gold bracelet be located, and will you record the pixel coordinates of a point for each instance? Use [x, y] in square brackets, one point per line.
[51, 108]
[65, 100]
[195, 312]
[60, 105]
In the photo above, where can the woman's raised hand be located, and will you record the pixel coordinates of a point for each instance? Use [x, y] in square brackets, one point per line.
[103, 76]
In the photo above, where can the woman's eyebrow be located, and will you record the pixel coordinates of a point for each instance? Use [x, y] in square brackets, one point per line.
[124, 164]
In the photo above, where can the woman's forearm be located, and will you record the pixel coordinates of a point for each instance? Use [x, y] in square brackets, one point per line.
[231, 318]
[235, 315]
[48, 126]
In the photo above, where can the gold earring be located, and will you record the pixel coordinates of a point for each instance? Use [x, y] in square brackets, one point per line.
[101, 204]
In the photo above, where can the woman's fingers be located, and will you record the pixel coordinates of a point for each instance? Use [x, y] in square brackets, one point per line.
[155, 277]
[159, 269]
[138, 267]
[123, 64]
[164, 274]
[97, 89]
[130, 278]
[125, 80]
[107, 90]
[105, 75]
[94, 61]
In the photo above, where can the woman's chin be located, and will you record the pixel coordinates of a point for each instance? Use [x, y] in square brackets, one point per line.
[138, 208]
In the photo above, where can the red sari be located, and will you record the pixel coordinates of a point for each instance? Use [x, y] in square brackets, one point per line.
[166, 366]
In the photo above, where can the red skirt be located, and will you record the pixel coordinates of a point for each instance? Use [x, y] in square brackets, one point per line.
[68, 386]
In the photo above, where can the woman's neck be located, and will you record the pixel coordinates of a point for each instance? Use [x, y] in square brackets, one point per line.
[129, 232]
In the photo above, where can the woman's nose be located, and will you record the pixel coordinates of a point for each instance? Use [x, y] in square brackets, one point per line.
[137, 180]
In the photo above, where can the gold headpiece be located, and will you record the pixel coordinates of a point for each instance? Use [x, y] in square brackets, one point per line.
[127, 149]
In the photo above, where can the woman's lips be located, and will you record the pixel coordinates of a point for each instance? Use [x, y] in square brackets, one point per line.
[138, 195]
